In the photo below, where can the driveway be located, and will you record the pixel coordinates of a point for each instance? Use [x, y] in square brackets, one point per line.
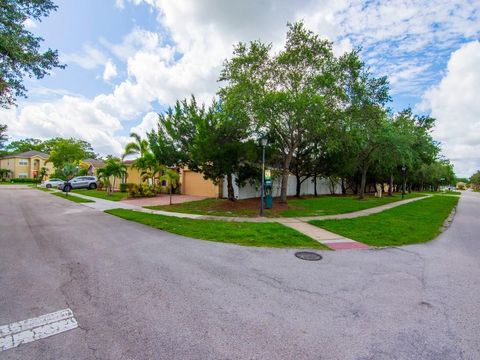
[140, 293]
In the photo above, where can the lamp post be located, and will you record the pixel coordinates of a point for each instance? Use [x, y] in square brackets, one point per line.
[404, 169]
[263, 143]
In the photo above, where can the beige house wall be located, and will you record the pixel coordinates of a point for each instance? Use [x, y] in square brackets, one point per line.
[133, 175]
[193, 183]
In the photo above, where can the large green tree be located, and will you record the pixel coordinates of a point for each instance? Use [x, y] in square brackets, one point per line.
[475, 180]
[286, 94]
[210, 140]
[20, 50]
[365, 121]
[23, 145]
[66, 151]
[220, 146]
[176, 129]
[47, 146]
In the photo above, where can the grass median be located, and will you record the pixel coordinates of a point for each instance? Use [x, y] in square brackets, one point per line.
[308, 206]
[72, 197]
[102, 194]
[240, 233]
[411, 223]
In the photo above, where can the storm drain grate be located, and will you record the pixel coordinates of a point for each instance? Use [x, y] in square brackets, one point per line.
[308, 255]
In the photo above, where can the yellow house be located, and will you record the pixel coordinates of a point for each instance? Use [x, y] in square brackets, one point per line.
[193, 183]
[133, 174]
[26, 164]
[93, 165]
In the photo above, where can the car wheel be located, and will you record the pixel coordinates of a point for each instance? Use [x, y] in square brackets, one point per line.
[48, 186]
[92, 186]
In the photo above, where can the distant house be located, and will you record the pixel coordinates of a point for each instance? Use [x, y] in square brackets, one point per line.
[93, 165]
[26, 164]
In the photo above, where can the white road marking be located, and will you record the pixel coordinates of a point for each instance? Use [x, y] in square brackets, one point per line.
[25, 331]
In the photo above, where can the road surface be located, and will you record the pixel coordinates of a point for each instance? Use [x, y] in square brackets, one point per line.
[140, 293]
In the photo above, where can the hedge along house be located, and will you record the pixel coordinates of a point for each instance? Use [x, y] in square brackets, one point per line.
[26, 165]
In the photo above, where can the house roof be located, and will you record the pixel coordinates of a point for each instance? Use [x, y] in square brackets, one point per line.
[27, 154]
[94, 162]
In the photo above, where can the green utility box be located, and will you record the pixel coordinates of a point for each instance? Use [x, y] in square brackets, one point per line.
[268, 201]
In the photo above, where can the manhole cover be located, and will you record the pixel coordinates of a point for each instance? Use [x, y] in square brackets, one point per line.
[308, 255]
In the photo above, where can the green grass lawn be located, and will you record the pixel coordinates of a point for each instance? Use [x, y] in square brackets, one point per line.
[310, 206]
[116, 196]
[241, 233]
[441, 192]
[71, 197]
[330, 205]
[411, 223]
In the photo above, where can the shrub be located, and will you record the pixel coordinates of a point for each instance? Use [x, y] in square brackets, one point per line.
[461, 185]
[24, 180]
[123, 187]
[142, 190]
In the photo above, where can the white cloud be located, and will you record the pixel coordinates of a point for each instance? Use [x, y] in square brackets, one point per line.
[67, 117]
[454, 103]
[149, 122]
[110, 71]
[89, 59]
[30, 24]
[120, 4]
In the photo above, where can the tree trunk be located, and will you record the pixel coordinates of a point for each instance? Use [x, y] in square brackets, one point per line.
[298, 186]
[170, 194]
[390, 186]
[315, 185]
[361, 194]
[344, 189]
[355, 189]
[230, 189]
[285, 173]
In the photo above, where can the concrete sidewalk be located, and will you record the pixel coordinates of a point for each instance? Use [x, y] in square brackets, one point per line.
[327, 238]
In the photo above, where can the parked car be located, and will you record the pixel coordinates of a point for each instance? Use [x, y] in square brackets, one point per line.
[52, 183]
[79, 182]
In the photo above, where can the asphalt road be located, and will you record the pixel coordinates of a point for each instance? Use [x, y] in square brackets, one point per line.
[139, 293]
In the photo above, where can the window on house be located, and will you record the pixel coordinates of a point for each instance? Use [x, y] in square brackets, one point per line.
[23, 162]
[22, 175]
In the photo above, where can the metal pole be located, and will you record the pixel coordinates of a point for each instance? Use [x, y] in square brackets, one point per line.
[403, 185]
[262, 191]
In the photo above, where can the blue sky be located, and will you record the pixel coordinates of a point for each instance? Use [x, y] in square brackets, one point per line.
[128, 59]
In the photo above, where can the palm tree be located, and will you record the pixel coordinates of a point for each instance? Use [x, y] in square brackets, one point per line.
[150, 166]
[113, 168]
[172, 178]
[140, 147]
